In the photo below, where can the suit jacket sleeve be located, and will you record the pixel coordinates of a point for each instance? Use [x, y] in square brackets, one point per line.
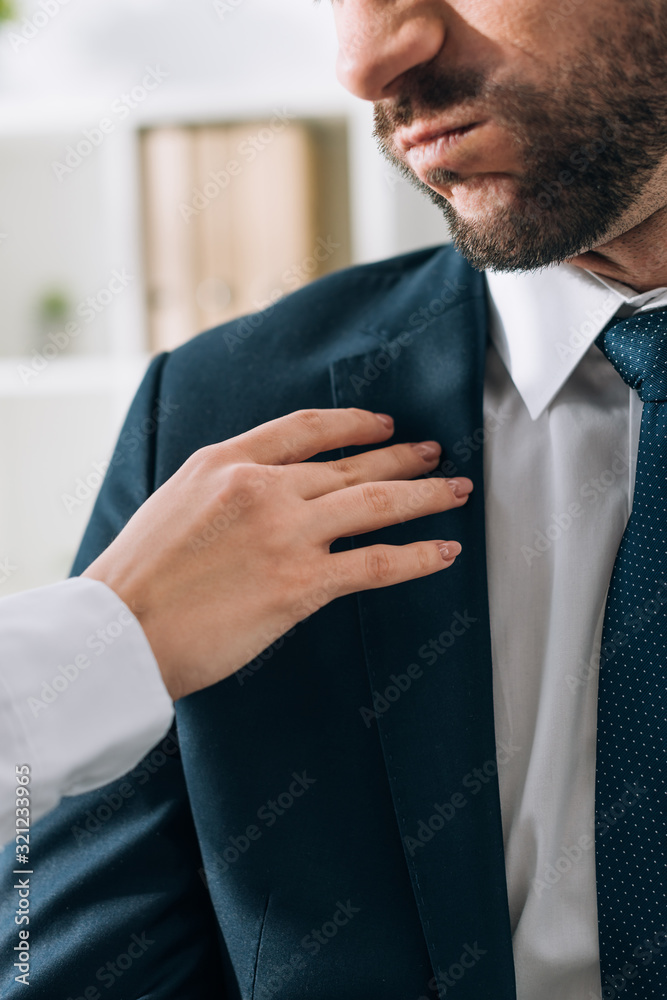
[117, 907]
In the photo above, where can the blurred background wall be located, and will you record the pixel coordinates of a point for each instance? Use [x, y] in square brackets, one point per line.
[164, 165]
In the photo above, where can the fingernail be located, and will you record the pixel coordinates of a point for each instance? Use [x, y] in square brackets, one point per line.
[458, 488]
[385, 419]
[449, 551]
[427, 449]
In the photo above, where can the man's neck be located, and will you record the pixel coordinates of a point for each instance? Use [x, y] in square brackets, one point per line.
[636, 257]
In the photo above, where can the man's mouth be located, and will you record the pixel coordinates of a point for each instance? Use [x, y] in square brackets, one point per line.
[428, 148]
[449, 132]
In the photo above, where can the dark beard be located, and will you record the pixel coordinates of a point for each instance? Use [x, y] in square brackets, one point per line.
[588, 147]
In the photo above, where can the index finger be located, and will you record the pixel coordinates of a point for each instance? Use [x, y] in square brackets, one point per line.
[305, 433]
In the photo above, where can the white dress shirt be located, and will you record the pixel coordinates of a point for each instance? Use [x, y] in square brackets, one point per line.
[81, 695]
[562, 435]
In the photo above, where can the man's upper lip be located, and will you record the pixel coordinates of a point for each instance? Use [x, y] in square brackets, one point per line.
[416, 135]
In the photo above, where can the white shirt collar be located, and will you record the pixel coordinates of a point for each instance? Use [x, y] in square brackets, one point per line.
[543, 322]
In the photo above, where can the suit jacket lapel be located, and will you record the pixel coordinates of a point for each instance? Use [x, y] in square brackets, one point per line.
[427, 644]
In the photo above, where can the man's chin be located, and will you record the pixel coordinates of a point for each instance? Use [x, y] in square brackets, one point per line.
[490, 223]
[474, 199]
[503, 222]
[504, 239]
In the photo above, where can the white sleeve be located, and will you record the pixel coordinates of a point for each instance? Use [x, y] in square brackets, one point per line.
[81, 695]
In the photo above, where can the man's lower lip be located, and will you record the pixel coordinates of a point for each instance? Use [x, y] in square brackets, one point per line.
[439, 152]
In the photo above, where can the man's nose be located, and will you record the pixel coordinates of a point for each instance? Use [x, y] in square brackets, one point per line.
[380, 40]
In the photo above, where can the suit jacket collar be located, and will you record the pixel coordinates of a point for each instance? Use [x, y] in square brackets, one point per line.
[437, 734]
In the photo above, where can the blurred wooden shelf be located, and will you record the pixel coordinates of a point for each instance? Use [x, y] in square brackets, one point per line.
[237, 215]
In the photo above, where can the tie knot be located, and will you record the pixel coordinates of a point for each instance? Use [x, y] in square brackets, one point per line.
[637, 348]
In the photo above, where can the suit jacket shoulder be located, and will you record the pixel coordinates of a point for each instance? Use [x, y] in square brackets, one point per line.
[272, 362]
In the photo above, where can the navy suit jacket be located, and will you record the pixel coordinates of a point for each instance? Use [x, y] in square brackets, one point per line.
[326, 824]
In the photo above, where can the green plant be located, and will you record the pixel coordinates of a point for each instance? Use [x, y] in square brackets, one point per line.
[54, 305]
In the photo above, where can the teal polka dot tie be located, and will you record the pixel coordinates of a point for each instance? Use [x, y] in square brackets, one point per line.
[631, 770]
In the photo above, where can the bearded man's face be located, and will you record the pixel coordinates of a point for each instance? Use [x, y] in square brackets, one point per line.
[536, 132]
